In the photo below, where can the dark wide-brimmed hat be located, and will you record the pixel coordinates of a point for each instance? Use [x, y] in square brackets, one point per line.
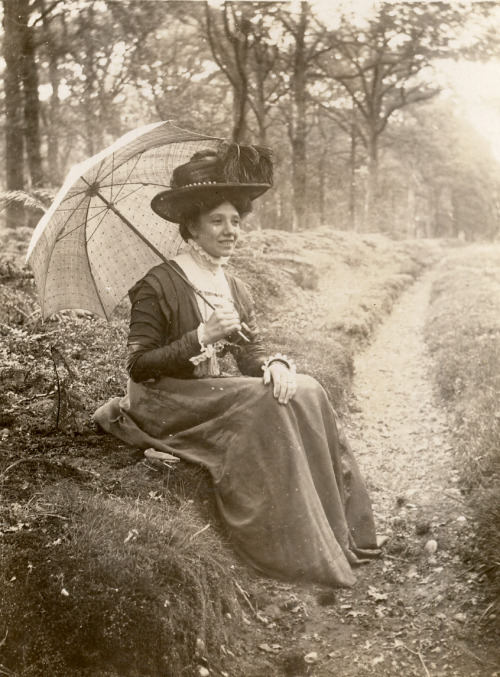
[233, 172]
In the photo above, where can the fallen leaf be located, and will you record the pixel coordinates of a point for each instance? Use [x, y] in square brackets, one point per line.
[131, 535]
[431, 546]
[311, 657]
[267, 648]
[377, 596]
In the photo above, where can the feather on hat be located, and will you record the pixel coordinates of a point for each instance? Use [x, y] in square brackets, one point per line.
[231, 171]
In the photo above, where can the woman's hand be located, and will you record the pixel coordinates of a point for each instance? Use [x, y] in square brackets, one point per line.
[221, 323]
[284, 381]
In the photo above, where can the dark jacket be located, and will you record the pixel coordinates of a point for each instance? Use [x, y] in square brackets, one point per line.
[163, 323]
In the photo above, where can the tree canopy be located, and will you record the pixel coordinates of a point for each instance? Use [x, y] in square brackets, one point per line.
[349, 105]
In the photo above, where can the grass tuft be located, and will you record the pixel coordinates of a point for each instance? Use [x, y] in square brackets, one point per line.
[127, 586]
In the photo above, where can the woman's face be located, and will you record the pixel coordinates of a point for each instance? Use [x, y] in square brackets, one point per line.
[217, 231]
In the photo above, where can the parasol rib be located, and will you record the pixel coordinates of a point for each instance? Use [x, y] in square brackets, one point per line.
[92, 274]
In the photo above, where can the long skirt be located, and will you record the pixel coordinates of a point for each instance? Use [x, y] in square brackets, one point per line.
[287, 485]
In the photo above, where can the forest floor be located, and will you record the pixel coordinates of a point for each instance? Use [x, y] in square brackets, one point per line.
[417, 611]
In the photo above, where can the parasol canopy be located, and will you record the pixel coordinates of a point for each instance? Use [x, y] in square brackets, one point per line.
[100, 235]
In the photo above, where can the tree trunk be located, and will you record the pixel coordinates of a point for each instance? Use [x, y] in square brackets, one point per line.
[321, 189]
[299, 176]
[54, 172]
[31, 109]
[239, 115]
[262, 69]
[260, 111]
[352, 186]
[240, 42]
[92, 121]
[299, 135]
[370, 215]
[411, 218]
[14, 104]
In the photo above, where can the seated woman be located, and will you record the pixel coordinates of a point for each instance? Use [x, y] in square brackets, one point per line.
[287, 485]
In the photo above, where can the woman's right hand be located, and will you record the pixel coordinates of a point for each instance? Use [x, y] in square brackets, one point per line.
[221, 323]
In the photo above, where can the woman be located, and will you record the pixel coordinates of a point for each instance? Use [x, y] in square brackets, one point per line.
[287, 486]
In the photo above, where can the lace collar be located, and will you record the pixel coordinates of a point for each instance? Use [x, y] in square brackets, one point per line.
[204, 259]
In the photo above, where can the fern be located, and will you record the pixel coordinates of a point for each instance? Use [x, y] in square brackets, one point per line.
[35, 202]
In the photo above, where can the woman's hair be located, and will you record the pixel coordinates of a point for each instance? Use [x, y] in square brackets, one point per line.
[242, 204]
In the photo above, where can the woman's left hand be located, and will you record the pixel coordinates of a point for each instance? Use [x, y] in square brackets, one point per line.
[284, 381]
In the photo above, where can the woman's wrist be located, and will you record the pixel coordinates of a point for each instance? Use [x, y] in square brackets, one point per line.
[204, 337]
[279, 358]
[201, 335]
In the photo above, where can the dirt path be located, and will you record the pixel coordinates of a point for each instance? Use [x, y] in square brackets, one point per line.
[414, 612]
[403, 440]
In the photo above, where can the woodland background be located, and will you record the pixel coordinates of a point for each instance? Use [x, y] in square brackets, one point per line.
[110, 566]
[366, 136]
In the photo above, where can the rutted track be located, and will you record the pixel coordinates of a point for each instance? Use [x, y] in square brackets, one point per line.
[413, 612]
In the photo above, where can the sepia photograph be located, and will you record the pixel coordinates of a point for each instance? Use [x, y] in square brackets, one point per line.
[249, 338]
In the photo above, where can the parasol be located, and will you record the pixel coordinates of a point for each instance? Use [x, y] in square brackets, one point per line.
[100, 235]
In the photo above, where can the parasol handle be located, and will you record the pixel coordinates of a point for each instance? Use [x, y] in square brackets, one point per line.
[95, 191]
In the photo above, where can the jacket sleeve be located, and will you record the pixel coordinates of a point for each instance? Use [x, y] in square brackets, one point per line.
[249, 356]
[151, 355]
